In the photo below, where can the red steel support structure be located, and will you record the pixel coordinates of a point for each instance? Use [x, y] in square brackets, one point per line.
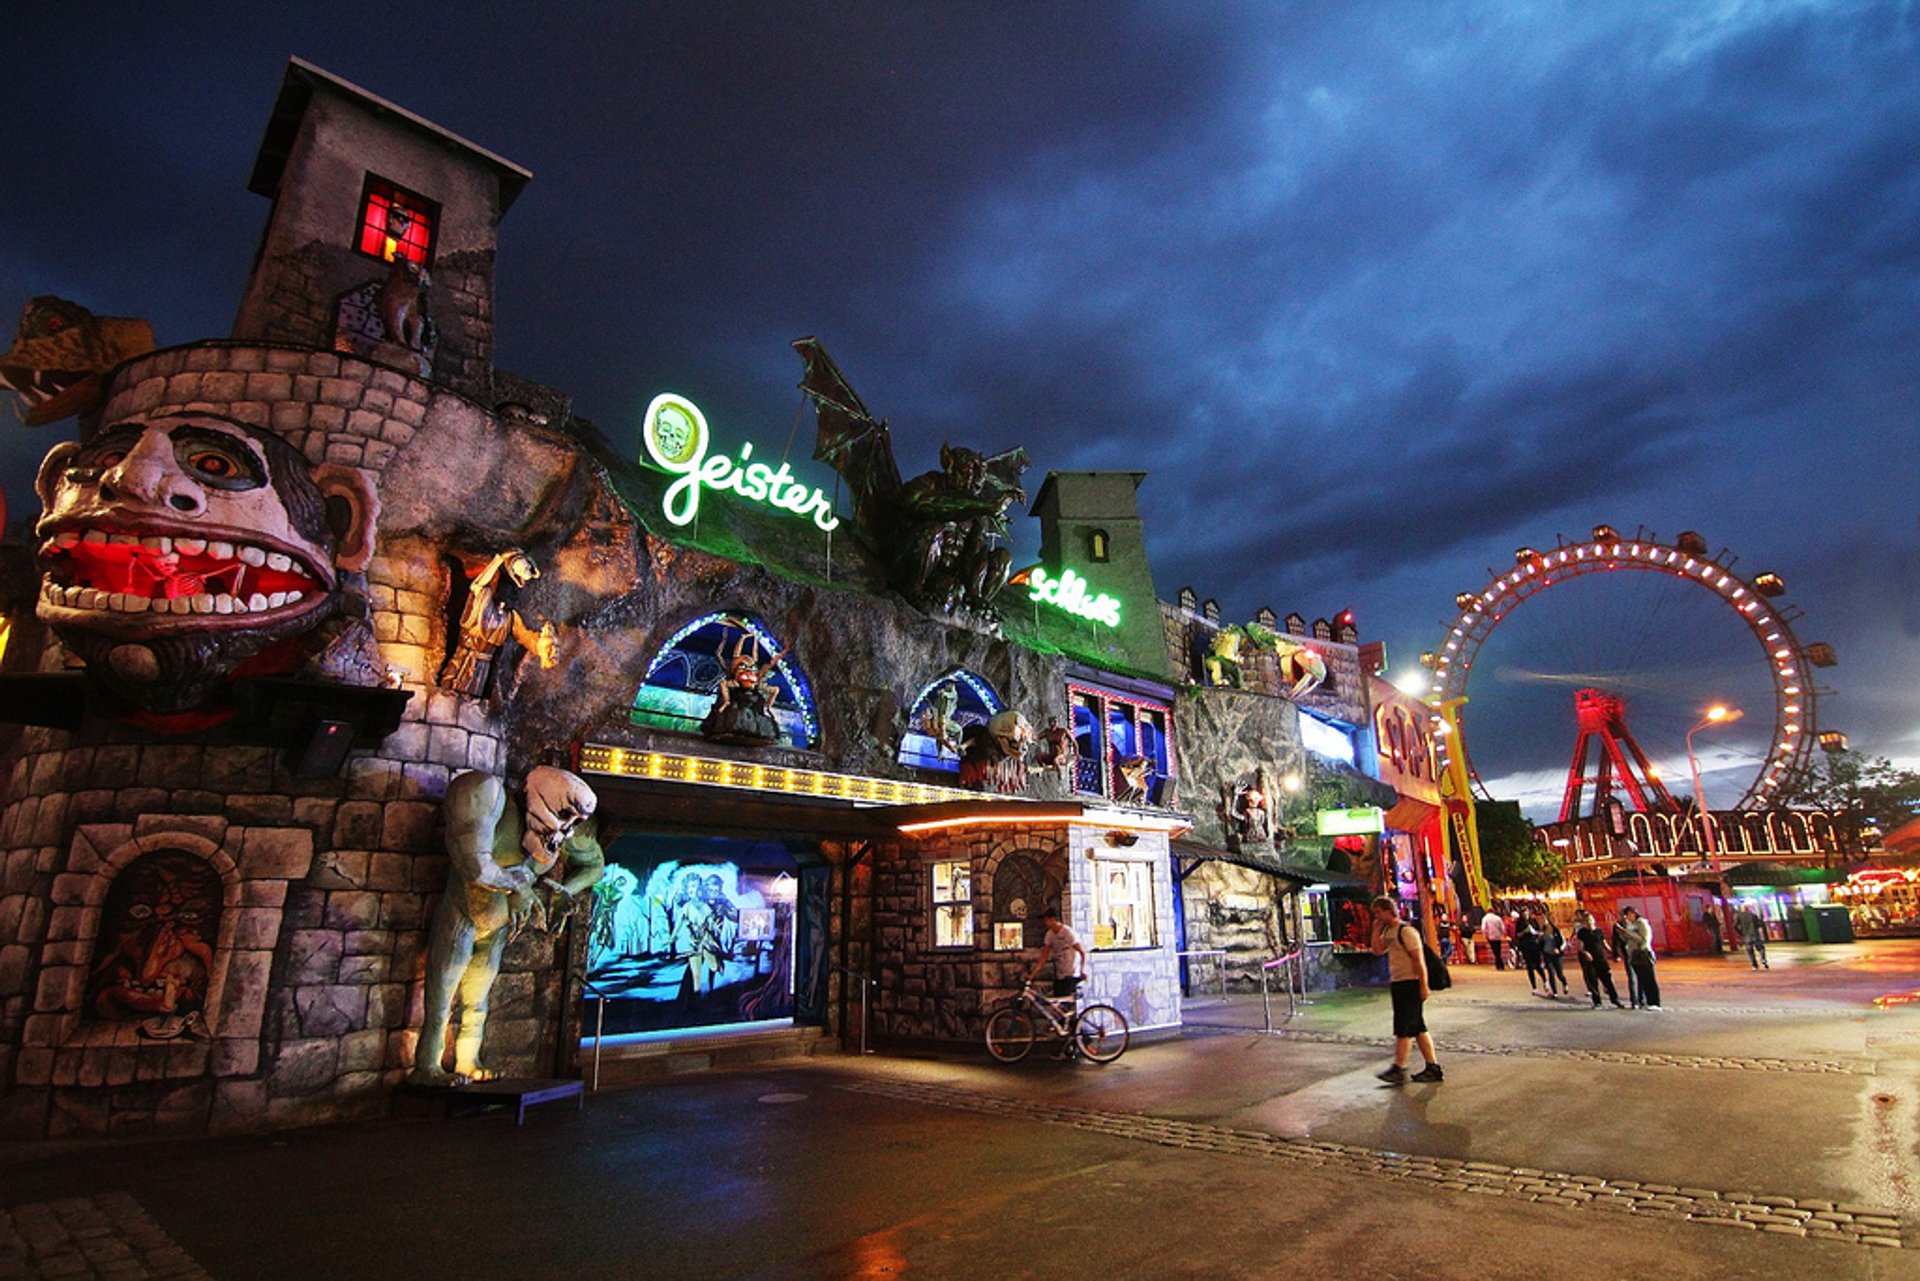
[1603, 725]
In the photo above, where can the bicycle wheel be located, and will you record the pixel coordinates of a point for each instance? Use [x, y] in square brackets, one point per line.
[1101, 1033]
[1009, 1035]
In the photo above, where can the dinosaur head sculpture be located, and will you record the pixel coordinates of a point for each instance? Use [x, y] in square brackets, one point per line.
[61, 355]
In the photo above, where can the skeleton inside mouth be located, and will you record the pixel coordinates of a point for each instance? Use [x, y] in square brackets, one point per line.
[134, 574]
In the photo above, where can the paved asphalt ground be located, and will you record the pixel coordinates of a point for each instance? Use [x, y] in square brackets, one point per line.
[1765, 1124]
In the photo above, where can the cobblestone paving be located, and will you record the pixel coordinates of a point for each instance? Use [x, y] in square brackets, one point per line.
[1742, 1211]
[107, 1236]
[1845, 1067]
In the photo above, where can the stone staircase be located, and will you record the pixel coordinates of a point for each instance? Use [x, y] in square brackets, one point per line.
[636, 1063]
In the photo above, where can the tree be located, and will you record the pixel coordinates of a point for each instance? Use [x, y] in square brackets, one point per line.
[1509, 856]
[1865, 791]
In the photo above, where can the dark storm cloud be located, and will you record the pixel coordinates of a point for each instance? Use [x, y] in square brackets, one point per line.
[1375, 292]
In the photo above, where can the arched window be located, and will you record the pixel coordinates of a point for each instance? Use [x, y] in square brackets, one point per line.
[684, 678]
[941, 714]
[1097, 545]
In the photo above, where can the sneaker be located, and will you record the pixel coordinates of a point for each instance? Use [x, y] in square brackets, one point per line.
[1431, 1072]
[1394, 1075]
[1653, 1007]
[1596, 1003]
[1618, 1006]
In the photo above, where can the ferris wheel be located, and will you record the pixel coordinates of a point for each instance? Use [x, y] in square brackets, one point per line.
[1654, 626]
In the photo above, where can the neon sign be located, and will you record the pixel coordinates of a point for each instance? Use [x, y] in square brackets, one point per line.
[675, 432]
[1071, 593]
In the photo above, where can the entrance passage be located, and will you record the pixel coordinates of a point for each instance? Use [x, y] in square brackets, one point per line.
[691, 932]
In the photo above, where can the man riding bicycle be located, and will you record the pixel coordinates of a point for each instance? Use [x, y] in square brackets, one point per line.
[1057, 954]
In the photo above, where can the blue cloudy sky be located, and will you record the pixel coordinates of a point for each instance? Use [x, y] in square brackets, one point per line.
[1375, 292]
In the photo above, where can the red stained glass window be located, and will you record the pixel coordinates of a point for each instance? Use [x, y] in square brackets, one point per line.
[395, 221]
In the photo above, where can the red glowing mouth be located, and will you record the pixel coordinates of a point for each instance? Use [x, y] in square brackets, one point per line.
[115, 571]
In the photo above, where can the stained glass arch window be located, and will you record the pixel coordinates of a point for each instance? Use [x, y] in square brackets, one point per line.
[684, 678]
[940, 715]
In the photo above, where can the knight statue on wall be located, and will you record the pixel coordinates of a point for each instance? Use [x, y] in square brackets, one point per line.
[516, 863]
[938, 534]
[488, 620]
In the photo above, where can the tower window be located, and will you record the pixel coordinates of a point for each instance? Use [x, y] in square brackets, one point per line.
[1097, 545]
[395, 222]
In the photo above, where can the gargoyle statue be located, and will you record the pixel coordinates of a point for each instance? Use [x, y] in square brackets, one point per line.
[403, 303]
[939, 533]
[61, 355]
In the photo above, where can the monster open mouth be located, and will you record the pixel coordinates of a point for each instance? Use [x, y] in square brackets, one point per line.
[36, 389]
[112, 571]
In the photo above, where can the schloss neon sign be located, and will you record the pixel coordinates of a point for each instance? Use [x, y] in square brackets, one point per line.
[1070, 592]
[675, 434]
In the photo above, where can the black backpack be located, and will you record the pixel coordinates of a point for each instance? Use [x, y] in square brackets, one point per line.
[1438, 980]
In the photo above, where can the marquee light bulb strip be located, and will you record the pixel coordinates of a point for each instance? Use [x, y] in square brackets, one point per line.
[623, 762]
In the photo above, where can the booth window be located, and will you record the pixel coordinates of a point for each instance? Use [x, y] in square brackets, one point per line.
[1119, 739]
[1097, 545]
[942, 713]
[953, 903]
[684, 678]
[1122, 903]
[396, 223]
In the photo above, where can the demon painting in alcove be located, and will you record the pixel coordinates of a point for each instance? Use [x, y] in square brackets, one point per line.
[155, 956]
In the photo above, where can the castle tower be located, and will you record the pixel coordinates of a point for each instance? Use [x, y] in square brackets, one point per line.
[1090, 525]
[375, 208]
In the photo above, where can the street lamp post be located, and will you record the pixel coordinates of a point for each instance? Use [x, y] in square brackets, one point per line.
[1716, 715]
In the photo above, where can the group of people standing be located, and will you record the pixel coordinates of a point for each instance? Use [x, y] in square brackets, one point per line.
[1540, 945]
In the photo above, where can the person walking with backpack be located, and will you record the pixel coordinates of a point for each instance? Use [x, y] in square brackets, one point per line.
[1406, 955]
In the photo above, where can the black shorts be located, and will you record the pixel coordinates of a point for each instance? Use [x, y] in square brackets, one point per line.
[1407, 1017]
[1067, 986]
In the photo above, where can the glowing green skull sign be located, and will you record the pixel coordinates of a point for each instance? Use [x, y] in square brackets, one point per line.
[675, 434]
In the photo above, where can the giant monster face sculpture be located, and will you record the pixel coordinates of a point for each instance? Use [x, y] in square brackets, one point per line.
[175, 549]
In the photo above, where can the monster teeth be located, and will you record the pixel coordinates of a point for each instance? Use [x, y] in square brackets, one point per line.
[157, 605]
[223, 604]
[202, 603]
[257, 602]
[190, 546]
[181, 604]
[294, 598]
[96, 537]
[277, 561]
[276, 600]
[66, 538]
[220, 551]
[157, 543]
[125, 604]
[252, 556]
[124, 540]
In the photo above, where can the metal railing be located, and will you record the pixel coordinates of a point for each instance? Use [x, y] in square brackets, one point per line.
[866, 986]
[1293, 966]
[599, 1029]
[1219, 956]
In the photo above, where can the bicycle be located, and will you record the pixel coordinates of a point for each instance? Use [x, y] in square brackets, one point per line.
[1098, 1032]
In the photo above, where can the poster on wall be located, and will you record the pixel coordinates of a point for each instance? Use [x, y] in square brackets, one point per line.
[692, 942]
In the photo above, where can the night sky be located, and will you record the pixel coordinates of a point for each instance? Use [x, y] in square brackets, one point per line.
[1375, 292]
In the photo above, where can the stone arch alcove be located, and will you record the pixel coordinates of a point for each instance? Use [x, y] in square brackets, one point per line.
[154, 936]
[684, 676]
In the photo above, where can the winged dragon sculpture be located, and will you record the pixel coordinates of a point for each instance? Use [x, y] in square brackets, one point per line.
[938, 534]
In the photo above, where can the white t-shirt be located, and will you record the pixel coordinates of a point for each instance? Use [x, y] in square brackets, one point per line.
[1057, 951]
[1493, 927]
